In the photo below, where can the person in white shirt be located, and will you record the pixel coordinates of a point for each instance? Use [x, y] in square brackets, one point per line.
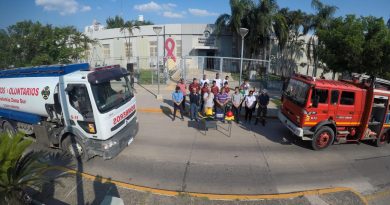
[250, 106]
[225, 80]
[208, 98]
[204, 80]
[218, 81]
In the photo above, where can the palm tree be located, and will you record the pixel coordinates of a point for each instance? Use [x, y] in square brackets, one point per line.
[20, 170]
[129, 26]
[323, 16]
[116, 22]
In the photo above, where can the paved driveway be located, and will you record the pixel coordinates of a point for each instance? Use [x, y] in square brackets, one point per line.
[254, 160]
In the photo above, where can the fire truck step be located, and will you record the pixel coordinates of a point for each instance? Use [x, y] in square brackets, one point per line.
[343, 132]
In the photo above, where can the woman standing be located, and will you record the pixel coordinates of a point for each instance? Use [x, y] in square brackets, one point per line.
[250, 106]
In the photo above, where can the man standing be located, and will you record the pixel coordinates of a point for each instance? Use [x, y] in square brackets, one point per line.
[177, 98]
[215, 88]
[226, 87]
[204, 80]
[183, 89]
[195, 85]
[250, 105]
[225, 80]
[237, 100]
[263, 101]
[222, 99]
[194, 104]
[218, 81]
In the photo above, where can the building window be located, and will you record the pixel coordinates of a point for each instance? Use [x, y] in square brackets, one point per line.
[153, 48]
[129, 50]
[178, 48]
[106, 50]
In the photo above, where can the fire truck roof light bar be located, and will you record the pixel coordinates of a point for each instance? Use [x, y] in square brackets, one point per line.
[44, 71]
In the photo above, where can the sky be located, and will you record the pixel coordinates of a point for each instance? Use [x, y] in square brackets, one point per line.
[81, 13]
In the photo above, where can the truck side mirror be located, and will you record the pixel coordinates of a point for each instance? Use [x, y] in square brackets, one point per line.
[315, 102]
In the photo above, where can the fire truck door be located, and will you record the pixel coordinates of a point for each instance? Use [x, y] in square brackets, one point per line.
[333, 104]
[346, 111]
[322, 97]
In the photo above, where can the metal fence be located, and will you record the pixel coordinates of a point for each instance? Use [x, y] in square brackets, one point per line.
[188, 67]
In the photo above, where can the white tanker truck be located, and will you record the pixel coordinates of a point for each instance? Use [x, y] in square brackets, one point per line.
[82, 111]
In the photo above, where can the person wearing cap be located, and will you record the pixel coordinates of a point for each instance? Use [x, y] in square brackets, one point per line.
[263, 101]
[177, 98]
[250, 105]
[183, 89]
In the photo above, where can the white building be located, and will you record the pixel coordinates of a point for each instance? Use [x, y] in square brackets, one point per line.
[116, 46]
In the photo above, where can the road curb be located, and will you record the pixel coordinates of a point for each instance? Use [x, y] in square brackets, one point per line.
[160, 110]
[225, 197]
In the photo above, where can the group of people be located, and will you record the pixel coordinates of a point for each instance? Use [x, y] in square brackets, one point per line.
[217, 97]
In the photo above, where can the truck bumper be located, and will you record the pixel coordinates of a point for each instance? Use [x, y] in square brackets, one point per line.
[110, 148]
[290, 125]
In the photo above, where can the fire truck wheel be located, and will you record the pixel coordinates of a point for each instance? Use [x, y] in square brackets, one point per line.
[322, 138]
[9, 128]
[383, 140]
[75, 147]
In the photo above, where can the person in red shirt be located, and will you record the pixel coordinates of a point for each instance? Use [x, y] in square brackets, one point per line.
[195, 85]
[226, 87]
[215, 88]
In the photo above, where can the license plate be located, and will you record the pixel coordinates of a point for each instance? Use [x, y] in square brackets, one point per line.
[130, 141]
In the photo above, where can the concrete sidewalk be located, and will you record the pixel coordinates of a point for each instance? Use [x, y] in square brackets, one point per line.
[147, 102]
[80, 189]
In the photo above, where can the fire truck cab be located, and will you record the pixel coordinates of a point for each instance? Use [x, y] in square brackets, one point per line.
[330, 111]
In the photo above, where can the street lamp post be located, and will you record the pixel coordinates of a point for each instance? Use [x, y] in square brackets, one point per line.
[157, 30]
[243, 32]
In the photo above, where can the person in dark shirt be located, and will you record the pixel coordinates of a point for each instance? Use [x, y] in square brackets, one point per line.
[263, 101]
[194, 104]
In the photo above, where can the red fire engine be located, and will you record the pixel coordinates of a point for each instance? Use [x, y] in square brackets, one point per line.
[330, 111]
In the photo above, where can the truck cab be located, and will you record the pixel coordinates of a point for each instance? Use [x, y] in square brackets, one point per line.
[85, 111]
[329, 111]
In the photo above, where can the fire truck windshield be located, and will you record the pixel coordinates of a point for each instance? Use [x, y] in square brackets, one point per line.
[112, 93]
[297, 91]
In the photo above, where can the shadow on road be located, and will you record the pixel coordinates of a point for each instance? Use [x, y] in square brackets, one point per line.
[103, 188]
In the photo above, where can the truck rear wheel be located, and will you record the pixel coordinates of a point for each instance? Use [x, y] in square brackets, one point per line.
[75, 147]
[382, 140]
[322, 138]
[9, 128]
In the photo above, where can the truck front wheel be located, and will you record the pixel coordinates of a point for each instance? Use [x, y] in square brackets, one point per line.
[322, 138]
[75, 147]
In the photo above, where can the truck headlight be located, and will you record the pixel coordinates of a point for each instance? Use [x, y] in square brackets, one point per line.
[109, 144]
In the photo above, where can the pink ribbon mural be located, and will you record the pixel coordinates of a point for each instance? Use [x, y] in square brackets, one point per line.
[170, 47]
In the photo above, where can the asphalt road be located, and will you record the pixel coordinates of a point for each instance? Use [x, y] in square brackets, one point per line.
[254, 160]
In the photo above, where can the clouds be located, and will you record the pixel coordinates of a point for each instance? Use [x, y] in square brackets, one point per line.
[153, 6]
[64, 7]
[201, 12]
[170, 14]
[168, 10]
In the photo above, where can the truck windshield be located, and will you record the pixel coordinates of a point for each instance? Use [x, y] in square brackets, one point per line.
[296, 91]
[112, 94]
